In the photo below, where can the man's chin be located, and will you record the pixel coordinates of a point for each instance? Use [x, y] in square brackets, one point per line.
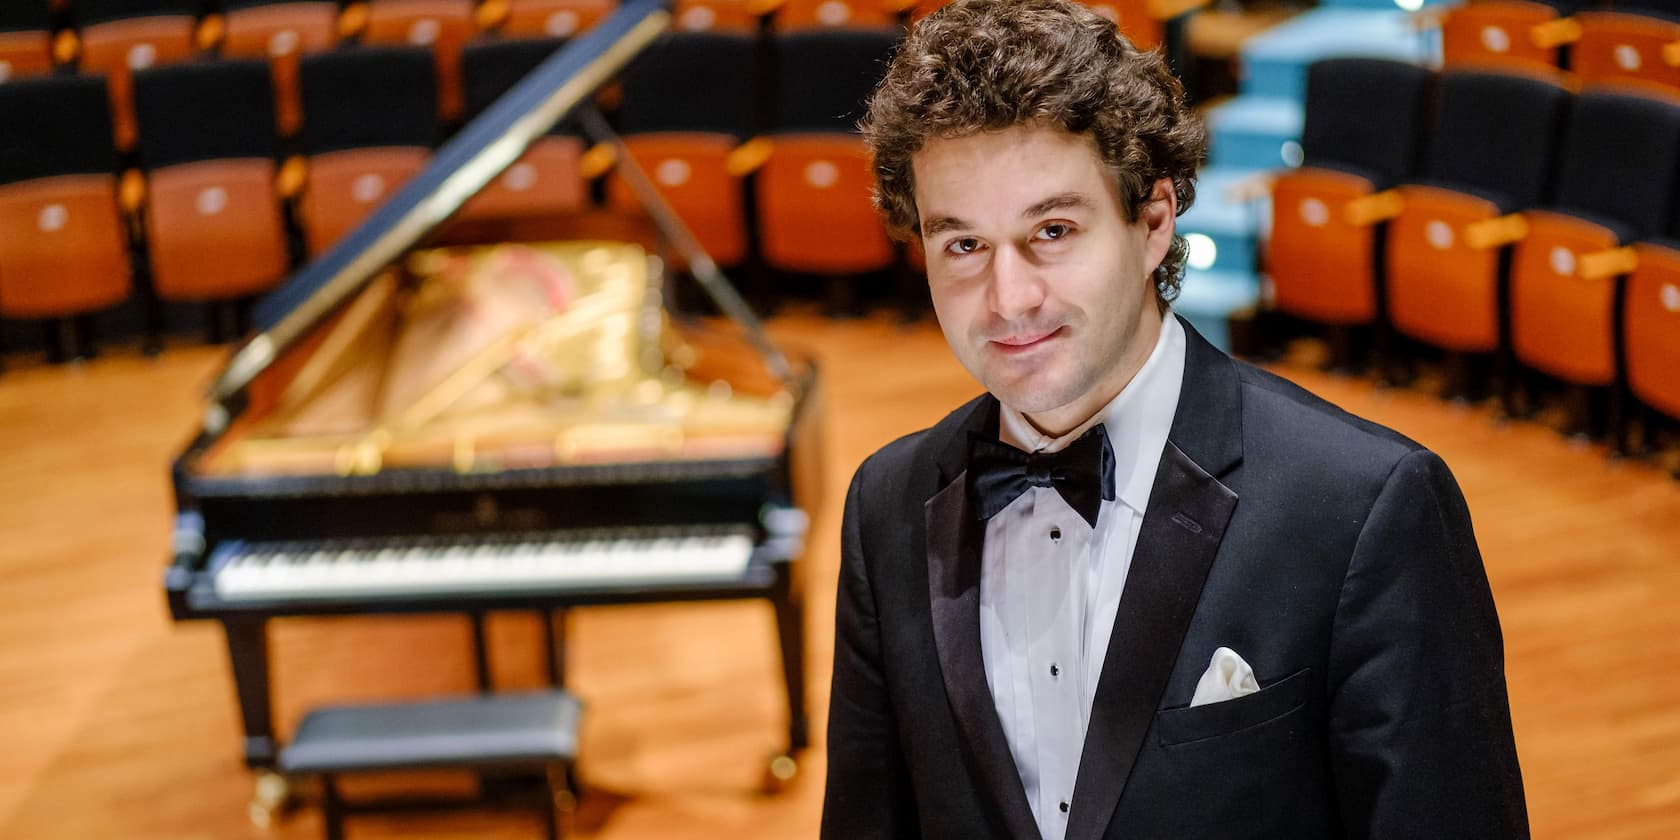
[1027, 396]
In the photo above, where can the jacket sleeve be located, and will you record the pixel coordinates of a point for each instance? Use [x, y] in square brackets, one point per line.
[1420, 724]
[868, 794]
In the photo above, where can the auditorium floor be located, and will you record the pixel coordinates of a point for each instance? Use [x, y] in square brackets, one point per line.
[118, 724]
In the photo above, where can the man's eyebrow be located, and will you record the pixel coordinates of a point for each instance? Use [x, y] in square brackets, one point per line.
[1059, 201]
[940, 224]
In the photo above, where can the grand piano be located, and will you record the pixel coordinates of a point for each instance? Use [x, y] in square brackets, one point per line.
[419, 427]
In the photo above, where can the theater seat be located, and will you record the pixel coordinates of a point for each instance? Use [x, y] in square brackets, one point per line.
[370, 124]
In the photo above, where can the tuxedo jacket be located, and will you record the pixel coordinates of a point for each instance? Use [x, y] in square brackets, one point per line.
[1332, 554]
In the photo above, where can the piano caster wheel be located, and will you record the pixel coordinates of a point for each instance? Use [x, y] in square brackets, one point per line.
[780, 773]
[272, 796]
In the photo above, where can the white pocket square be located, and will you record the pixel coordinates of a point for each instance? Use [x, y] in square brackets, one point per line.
[1227, 677]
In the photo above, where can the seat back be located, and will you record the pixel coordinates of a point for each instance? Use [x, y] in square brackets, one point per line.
[208, 145]
[366, 97]
[660, 87]
[824, 77]
[1366, 115]
[1497, 133]
[1621, 160]
[443, 26]
[63, 250]
[281, 31]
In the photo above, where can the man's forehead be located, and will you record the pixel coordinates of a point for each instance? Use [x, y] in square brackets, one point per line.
[1022, 172]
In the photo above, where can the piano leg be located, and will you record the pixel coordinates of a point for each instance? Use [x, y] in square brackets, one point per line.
[481, 653]
[554, 646]
[247, 641]
[790, 631]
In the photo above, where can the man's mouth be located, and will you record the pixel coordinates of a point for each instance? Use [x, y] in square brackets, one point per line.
[1019, 342]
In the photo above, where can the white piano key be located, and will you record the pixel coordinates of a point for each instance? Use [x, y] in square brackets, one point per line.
[539, 564]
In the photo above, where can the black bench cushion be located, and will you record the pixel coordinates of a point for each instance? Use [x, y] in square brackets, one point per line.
[477, 731]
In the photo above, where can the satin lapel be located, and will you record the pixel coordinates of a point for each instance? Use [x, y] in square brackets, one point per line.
[1188, 512]
[954, 537]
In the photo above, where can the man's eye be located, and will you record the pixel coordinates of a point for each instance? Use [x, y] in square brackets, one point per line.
[1053, 232]
[965, 245]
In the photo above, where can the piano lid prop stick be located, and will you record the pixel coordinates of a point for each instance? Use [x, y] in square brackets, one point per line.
[700, 264]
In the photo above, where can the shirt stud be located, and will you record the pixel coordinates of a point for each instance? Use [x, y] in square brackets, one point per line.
[1064, 806]
[1055, 534]
[1055, 670]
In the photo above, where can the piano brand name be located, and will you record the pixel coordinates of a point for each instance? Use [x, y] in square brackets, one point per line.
[486, 513]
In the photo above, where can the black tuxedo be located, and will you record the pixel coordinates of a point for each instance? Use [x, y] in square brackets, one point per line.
[1332, 554]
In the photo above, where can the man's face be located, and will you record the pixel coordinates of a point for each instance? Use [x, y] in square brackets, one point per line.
[1042, 286]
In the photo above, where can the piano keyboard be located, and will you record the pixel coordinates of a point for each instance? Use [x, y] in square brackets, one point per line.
[316, 571]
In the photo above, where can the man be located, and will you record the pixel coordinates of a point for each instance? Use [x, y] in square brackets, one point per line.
[1138, 589]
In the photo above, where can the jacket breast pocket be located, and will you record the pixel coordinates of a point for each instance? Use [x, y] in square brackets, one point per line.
[1213, 720]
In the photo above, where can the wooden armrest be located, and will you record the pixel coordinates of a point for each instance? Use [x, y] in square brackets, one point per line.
[760, 8]
[1256, 186]
[1429, 17]
[599, 160]
[66, 47]
[748, 157]
[1671, 53]
[897, 6]
[353, 20]
[1554, 33]
[1495, 233]
[210, 33]
[131, 191]
[491, 14]
[1612, 262]
[1169, 9]
[1368, 210]
[289, 181]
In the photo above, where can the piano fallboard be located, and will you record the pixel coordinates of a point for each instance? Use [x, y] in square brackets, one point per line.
[413, 502]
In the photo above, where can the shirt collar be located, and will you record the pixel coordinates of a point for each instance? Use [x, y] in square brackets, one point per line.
[1138, 419]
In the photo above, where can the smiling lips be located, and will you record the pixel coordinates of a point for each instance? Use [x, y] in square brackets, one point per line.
[1023, 341]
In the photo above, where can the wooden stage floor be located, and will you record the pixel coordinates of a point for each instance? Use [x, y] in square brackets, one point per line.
[116, 723]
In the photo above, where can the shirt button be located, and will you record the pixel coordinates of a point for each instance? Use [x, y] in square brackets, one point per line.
[1055, 670]
[1064, 806]
[1055, 534]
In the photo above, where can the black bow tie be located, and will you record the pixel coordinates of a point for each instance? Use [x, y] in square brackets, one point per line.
[1083, 473]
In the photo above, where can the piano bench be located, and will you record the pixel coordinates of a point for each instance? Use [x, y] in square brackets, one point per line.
[490, 734]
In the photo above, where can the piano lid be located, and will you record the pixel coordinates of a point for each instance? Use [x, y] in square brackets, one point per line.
[461, 168]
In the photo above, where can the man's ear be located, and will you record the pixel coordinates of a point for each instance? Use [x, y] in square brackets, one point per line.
[1158, 216]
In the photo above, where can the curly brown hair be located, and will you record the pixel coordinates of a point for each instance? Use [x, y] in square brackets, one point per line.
[987, 65]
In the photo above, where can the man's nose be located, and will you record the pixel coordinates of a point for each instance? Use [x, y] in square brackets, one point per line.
[1017, 288]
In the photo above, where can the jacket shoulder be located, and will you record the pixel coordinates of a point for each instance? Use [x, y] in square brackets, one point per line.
[1283, 418]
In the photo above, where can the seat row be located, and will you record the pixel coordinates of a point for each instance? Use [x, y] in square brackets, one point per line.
[215, 211]
[1628, 41]
[1503, 216]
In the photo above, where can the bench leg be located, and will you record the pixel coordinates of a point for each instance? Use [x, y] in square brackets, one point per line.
[332, 808]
